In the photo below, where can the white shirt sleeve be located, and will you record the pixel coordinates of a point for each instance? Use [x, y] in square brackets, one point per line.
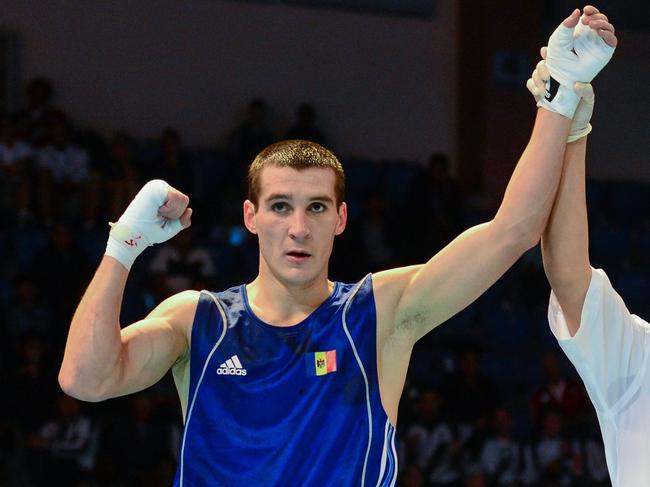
[608, 350]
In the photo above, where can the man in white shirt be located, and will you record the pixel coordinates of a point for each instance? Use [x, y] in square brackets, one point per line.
[608, 346]
[15, 166]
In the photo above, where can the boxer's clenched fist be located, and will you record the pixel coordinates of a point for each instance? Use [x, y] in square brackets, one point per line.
[577, 51]
[156, 214]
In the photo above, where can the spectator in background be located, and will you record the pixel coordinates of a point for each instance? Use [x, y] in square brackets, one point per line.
[471, 397]
[33, 122]
[65, 188]
[593, 453]
[8, 450]
[140, 435]
[501, 456]
[182, 264]
[122, 180]
[16, 157]
[26, 314]
[432, 443]
[305, 126]
[249, 138]
[174, 166]
[476, 479]
[376, 234]
[411, 476]
[29, 398]
[64, 445]
[437, 199]
[558, 394]
[60, 270]
[33, 381]
[552, 453]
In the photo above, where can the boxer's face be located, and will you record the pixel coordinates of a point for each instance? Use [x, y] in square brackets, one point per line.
[296, 221]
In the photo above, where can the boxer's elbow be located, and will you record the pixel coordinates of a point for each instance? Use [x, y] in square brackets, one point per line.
[76, 383]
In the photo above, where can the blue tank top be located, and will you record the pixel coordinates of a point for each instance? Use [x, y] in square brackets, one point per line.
[286, 406]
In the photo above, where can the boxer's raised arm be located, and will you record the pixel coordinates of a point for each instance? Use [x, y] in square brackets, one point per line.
[102, 360]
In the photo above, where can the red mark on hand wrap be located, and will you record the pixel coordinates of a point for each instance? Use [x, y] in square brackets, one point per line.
[133, 242]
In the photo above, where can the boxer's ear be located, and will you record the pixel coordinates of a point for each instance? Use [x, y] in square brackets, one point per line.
[249, 217]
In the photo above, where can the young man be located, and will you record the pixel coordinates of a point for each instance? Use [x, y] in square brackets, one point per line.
[293, 379]
[609, 347]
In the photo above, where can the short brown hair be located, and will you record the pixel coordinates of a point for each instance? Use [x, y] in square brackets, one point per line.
[299, 155]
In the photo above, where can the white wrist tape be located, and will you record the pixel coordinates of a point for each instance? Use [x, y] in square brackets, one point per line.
[141, 226]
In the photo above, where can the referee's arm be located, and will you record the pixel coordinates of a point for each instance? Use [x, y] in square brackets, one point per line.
[565, 245]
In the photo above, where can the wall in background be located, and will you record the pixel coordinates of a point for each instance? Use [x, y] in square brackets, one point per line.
[384, 85]
[619, 146]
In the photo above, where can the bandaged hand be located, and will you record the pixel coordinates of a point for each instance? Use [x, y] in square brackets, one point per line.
[580, 125]
[156, 214]
[577, 51]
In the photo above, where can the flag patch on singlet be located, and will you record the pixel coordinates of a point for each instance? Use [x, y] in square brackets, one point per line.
[320, 363]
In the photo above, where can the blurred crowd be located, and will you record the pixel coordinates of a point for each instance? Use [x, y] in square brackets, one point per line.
[489, 399]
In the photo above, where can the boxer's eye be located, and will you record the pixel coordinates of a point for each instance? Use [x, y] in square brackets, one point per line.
[318, 207]
[280, 207]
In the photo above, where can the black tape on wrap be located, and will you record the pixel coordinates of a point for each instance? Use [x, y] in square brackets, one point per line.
[552, 87]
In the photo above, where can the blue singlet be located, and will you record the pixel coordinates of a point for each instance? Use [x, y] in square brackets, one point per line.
[286, 406]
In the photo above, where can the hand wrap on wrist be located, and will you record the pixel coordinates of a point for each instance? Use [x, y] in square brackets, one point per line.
[141, 225]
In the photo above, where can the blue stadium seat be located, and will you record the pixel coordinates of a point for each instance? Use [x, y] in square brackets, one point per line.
[503, 367]
[6, 291]
[608, 243]
[542, 337]
[398, 179]
[597, 196]
[211, 170]
[94, 243]
[633, 287]
[362, 178]
[628, 202]
[27, 243]
[506, 329]
[460, 328]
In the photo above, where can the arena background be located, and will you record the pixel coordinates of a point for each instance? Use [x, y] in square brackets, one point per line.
[401, 91]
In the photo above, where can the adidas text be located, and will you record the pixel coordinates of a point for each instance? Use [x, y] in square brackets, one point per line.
[230, 371]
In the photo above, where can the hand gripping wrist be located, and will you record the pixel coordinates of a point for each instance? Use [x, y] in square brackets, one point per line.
[580, 126]
[141, 225]
[559, 98]
[574, 54]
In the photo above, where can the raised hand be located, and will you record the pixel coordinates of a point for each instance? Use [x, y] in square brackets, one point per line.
[156, 214]
[576, 53]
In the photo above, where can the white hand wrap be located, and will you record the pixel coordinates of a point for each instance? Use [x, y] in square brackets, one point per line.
[574, 54]
[141, 226]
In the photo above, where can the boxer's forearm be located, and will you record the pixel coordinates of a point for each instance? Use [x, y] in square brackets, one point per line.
[531, 191]
[94, 347]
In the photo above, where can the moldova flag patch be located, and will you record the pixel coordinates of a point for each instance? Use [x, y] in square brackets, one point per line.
[320, 363]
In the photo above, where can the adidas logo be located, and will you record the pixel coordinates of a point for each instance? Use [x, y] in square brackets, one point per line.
[232, 366]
